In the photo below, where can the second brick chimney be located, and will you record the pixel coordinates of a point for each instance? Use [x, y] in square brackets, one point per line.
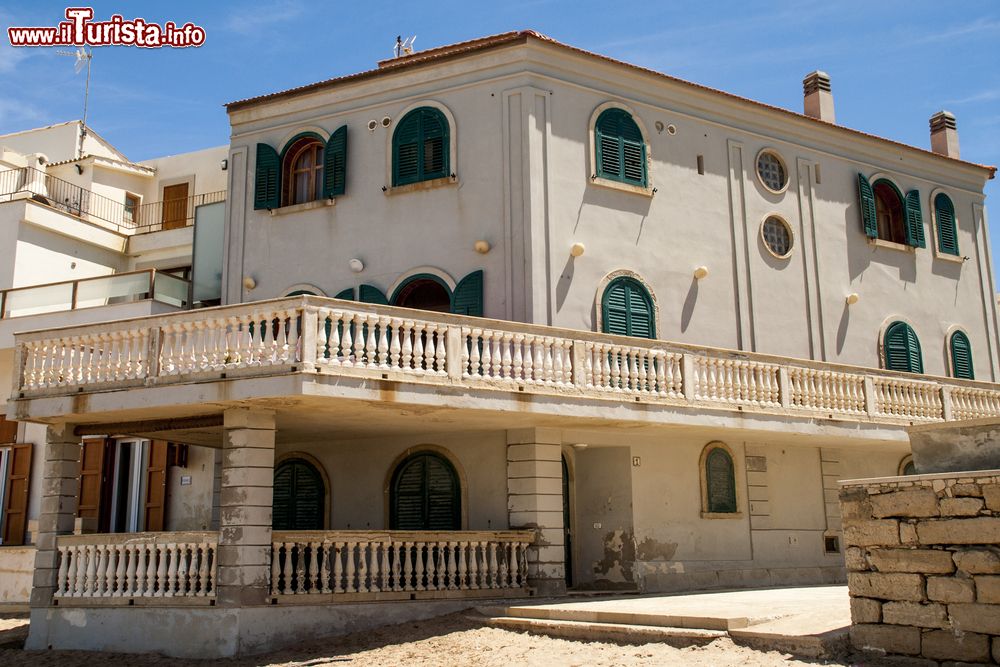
[818, 100]
[944, 134]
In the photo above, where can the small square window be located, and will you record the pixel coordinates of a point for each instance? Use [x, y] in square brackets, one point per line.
[831, 544]
[131, 207]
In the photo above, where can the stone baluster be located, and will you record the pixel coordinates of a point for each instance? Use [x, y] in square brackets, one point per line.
[338, 567]
[151, 571]
[324, 571]
[139, 585]
[351, 583]
[409, 333]
[363, 567]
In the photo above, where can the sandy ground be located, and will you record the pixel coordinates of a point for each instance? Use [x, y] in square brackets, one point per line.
[457, 639]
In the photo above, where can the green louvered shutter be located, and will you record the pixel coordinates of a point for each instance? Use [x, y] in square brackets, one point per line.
[371, 294]
[620, 148]
[914, 220]
[866, 198]
[267, 178]
[425, 495]
[406, 150]
[335, 164]
[420, 147]
[299, 495]
[720, 482]
[467, 299]
[902, 349]
[434, 154]
[347, 294]
[944, 215]
[627, 309]
[961, 356]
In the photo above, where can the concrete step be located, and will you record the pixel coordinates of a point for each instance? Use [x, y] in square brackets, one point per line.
[589, 615]
[607, 632]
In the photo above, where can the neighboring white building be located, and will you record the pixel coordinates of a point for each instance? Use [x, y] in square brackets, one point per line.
[556, 216]
[88, 236]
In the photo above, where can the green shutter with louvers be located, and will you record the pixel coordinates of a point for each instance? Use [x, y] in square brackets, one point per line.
[299, 496]
[467, 299]
[866, 198]
[720, 482]
[620, 148]
[914, 220]
[335, 164]
[267, 178]
[347, 294]
[902, 349]
[947, 231]
[420, 147]
[372, 294]
[961, 356]
[627, 309]
[425, 495]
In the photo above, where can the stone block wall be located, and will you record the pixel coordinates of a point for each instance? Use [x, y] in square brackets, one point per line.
[923, 565]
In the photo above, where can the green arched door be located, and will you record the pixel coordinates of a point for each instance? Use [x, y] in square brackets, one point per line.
[425, 495]
[628, 309]
[299, 496]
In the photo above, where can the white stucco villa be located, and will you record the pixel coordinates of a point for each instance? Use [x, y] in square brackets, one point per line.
[493, 319]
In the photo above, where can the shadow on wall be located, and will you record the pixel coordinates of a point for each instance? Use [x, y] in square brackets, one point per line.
[861, 254]
[608, 199]
[565, 280]
[689, 302]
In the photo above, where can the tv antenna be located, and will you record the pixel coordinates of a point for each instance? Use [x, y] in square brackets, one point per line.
[83, 57]
[404, 47]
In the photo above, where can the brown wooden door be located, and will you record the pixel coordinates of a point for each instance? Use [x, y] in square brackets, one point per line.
[95, 492]
[175, 206]
[156, 485]
[15, 514]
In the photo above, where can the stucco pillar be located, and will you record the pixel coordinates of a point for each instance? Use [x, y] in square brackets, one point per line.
[534, 500]
[60, 486]
[244, 568]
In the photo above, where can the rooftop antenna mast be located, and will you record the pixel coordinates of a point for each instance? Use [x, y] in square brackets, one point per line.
[83, 57]
[403, 47]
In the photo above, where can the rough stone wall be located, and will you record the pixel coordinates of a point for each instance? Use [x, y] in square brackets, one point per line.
[923, 565]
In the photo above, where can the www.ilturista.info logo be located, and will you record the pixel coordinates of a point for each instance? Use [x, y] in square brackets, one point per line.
[79, 29]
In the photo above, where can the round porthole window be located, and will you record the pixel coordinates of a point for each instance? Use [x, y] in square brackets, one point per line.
[777, 236]
[771, 171]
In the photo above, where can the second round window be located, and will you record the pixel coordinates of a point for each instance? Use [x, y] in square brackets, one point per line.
[771, 171]
[777, 236]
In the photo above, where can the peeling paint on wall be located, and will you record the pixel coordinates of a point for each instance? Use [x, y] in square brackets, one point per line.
[616, 567]
[650, 549]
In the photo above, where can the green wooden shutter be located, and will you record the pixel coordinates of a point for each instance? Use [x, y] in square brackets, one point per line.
[961, 356]
[267, 178]
[406, 150]
[944, 215]
[420, 147]
[627, 309]
[372, 294]
[467, 299]
[425, 495]
[866, 198]
[914, 220]
[335, 164]
[620, 148]
[902, 349]
[347, 294]
[720, 481]
[434, 156]
[299, 496]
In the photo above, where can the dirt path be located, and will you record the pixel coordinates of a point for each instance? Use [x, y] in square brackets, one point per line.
[455, 640]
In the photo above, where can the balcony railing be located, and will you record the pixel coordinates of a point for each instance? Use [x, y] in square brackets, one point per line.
[97, 291]
[313, 334]
[82, 203]
[399, 564]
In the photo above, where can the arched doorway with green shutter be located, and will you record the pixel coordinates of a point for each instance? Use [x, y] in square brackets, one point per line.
[901, 349]
[627, 308]
[425, 493]
[299, 495]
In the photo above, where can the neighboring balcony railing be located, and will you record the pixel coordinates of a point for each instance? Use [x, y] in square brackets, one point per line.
[313, 334]
[399, 564]
[97, 291]
[82, 203]
[124, 567]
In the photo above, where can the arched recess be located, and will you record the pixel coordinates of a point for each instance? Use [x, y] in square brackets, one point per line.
[720, 496]
[906, 466]
[452, 136]
[899, 346]
[304, 289]
[400, 466]
[302, 495]
[593, 167]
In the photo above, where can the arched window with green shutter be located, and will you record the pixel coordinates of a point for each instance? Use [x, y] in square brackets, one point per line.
[902, 349]
[961, 356]
[425, 494]
[627, 309]
[299, 496]
[947, 230]
[620, 148]
[420, 147]
[720, 481]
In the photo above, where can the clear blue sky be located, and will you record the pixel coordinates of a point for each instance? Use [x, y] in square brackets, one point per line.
[893, 62]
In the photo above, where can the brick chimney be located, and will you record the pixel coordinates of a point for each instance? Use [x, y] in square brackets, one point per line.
[818, 100]
[944, 134]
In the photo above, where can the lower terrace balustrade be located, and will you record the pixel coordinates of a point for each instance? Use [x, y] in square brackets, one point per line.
[358, 565]
[122, 568]
[314, 334]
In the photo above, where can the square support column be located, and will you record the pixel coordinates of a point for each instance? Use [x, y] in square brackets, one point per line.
[60, 488]
[534, 500]
[244, 568]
